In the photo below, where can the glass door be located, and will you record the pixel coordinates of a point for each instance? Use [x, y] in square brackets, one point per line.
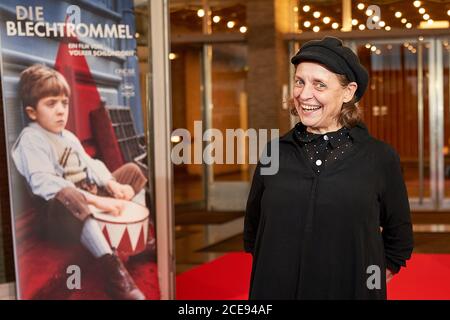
[399, 109]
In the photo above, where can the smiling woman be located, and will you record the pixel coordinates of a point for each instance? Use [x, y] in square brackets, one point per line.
[314, 227]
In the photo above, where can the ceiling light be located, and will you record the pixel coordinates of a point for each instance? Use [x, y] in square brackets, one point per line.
[201, 13]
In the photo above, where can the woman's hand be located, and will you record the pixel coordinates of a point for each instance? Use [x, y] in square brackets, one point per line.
[389, 275]
[120, 191]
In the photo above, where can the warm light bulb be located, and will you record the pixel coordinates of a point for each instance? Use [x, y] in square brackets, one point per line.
[361, 6]
[354, 22]
[368, 45]
[373, 49]
[369, 12]
[326, 20]
[388, 28]
[316, 14]
[216, 19]
[316, 29]
[409, 25]
[426, 16]
[404, 20]
[382, 24]
[306, 8]
[361, 27]
[230, 24]
[417, 4]
[307, 24]
[172, 56]
[243, 29]
[398, 14]
[421, 10]
[335, 25]
[201, 13]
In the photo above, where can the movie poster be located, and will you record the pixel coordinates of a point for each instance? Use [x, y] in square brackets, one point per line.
[77, 151]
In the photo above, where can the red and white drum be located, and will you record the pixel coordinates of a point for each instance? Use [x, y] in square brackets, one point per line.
[128, 233]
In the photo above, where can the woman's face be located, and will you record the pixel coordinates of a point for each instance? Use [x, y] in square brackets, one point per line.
[318, 97]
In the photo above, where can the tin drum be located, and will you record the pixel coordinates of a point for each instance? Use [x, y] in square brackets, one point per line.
[127, 232]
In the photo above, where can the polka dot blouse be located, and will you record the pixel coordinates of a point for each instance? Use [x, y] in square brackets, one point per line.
[323, 149]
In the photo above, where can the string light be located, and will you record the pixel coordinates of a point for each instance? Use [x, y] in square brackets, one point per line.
[421, 10]
[361, 27]
[409, 25]
[426, 16]
[230, 24]
[378, 51]
[388, 28]
[382, 24]
[307, 24]
[361, 6]
[369, 12]
[216, 19]
[404, 20]
[368, 45]
[172, 56]
[306, 8]
[326, 20]
[376, 18]
[316, 29]
[417, 4]
[316, 14]
[398, 14]
[243, 29]
[373, 49]
[430, 21]
[354, 22]
[335, 25]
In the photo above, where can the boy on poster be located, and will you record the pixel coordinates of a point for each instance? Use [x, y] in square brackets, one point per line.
[73, 185]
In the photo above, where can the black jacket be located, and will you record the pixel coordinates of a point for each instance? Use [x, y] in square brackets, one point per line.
[318, 236]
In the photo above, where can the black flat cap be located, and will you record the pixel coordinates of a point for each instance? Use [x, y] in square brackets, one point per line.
[334, 56]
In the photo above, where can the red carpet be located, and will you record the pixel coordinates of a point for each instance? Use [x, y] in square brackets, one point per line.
[227, 278]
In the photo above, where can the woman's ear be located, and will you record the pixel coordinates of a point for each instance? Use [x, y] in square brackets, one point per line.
[31, 112]
[349, 91]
